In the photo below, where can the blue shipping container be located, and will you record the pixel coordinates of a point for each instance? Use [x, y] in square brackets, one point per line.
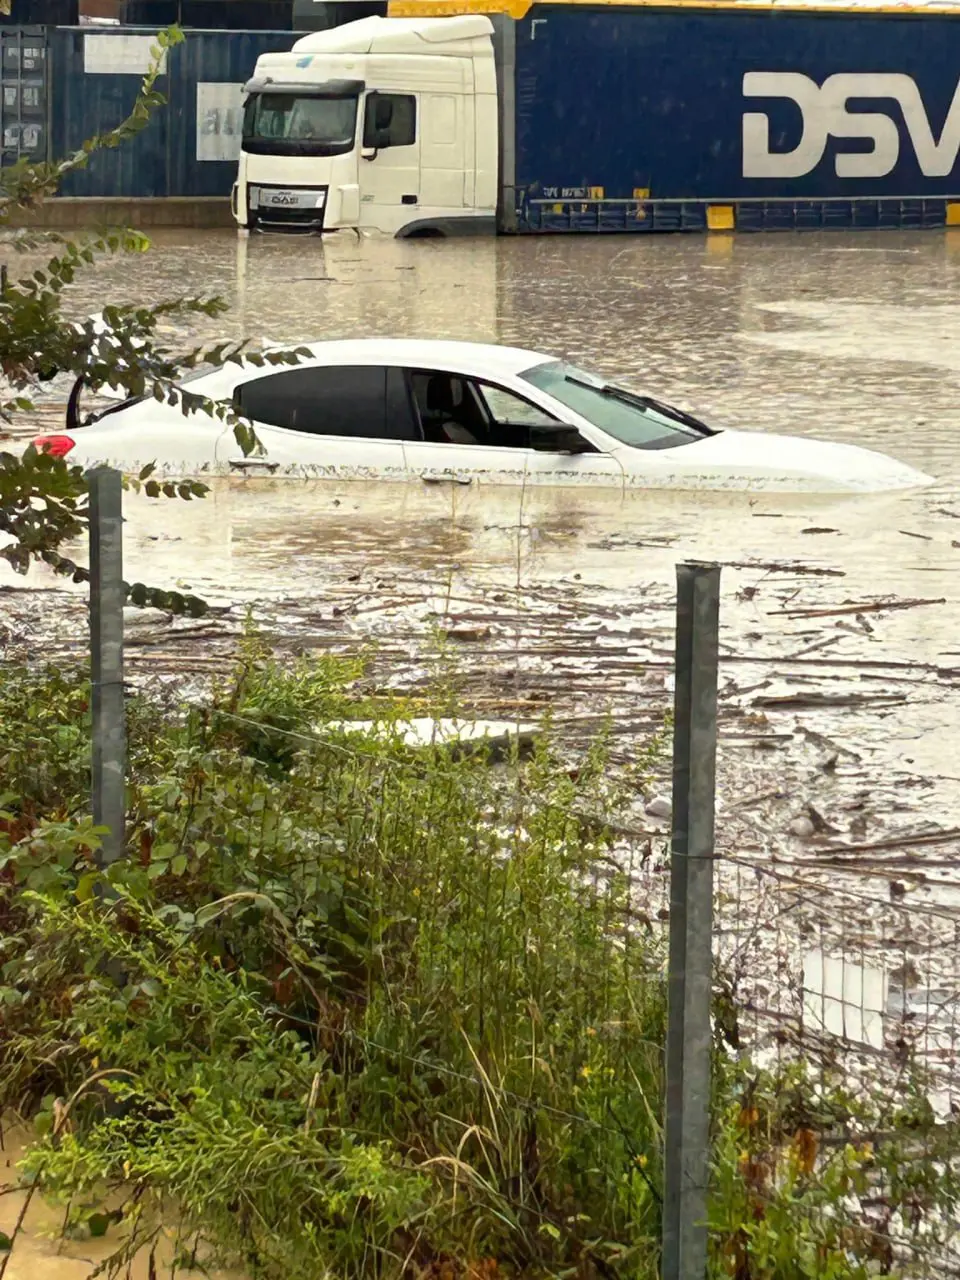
[34, 12]
[683, 104]
[23, 94]
[190, 147]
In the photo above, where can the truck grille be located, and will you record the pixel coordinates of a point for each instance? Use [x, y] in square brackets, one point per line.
[292, 219]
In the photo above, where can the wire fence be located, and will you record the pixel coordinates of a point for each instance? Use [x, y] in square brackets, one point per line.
[858, 991]
[678, 1054]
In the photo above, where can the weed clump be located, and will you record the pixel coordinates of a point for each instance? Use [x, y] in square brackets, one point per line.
[355, 1006]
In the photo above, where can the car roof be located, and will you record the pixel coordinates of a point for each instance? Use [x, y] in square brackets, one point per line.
[473, 358]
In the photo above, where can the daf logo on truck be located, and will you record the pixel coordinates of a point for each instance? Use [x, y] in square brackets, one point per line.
[824, 112]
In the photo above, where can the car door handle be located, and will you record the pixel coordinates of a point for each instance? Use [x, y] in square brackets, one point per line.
[444, 477]
[253, 464]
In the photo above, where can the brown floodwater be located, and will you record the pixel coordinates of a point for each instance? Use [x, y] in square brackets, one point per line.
[42, 1253]
[848, 336]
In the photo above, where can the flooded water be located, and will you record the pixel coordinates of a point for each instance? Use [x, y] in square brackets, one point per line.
[42, 1252]
[848, 336]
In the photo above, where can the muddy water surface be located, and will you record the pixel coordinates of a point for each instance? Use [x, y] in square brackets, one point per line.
[42, 1253]
[847, 336]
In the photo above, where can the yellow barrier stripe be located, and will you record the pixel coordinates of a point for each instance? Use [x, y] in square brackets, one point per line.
[520, 8]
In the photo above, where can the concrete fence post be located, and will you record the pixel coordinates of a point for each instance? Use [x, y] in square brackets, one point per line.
[689, 1040]
[107, 599]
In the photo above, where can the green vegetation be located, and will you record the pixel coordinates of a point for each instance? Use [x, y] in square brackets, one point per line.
[352, 1005]
[360, 1009]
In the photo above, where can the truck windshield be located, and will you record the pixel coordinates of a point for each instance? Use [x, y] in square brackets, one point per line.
[631, 418]
[291, 124]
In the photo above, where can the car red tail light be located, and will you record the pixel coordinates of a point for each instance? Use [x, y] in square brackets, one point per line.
[56, 446]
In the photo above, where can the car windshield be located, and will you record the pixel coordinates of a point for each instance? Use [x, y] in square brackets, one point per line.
[287, 122]
[633, 419]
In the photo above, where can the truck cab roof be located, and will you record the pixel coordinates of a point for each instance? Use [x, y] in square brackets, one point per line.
[439, 36]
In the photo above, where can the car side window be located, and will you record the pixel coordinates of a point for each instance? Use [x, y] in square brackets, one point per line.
[456, 410]
[342, 400]
[507, 408]
[448, 408]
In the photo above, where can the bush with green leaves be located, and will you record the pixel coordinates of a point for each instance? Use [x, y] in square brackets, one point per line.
[367, 1009]
[406, 996]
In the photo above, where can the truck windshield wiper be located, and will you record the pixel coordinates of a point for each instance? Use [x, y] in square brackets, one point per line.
[644, 402]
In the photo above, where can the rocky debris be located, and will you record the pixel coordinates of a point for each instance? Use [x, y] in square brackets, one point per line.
[658, 807]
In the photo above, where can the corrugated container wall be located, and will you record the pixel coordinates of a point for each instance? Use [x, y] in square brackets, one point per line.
[191, 146]
[23, 94]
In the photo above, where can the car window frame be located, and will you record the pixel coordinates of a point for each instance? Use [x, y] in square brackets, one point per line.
[468, 379]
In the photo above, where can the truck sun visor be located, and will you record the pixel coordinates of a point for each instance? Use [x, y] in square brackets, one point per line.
[304, 89]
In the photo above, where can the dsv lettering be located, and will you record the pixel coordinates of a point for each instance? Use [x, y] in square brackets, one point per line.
[825, 115]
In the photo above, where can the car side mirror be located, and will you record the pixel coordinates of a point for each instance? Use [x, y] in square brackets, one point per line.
[557, 437]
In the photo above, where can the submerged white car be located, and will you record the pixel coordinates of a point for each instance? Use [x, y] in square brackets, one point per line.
[462, 413]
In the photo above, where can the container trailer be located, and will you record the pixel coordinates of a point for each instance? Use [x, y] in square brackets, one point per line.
[608, 118]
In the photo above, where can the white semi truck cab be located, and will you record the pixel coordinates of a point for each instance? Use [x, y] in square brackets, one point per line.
[385, 124]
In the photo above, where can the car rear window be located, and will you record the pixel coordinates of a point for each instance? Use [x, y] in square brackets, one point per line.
[334, 401]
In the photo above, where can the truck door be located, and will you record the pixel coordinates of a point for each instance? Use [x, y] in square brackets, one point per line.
[442, 151]
[390, 160]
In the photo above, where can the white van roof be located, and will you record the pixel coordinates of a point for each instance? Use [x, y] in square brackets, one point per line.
[398, 35]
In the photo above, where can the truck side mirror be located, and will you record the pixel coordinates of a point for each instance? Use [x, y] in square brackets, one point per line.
[377, 120]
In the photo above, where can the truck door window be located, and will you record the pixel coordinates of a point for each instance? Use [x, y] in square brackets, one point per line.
[389, 120]
[334, 401]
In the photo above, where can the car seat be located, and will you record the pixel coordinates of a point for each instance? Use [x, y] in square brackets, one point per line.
[440, 422]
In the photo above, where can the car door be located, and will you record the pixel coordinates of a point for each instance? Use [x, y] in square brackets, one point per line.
[597, 466]
[491, 435]
[341, 421]
[456, 446]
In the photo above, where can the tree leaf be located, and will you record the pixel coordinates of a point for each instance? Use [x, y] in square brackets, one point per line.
[85, 886]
